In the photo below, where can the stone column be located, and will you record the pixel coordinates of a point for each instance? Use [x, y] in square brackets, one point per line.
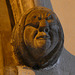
[19, 7]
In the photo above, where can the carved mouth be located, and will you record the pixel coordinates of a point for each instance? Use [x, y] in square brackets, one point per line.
[43, 37]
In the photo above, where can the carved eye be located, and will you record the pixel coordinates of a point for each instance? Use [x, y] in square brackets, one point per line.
[34, 16]
[49, 17]
[36, 25]
[39, 18]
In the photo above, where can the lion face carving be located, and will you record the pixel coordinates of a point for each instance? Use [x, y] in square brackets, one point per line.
[38, 38]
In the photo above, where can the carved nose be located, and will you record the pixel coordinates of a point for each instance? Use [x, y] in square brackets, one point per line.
[44, 29]
[44, 26]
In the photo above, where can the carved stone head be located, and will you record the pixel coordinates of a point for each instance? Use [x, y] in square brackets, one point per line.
[38, 38]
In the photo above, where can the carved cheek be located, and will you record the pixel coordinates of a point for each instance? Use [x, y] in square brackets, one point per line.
[55, 35]
[29, 34]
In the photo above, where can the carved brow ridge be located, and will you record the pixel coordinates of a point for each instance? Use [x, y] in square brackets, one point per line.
[30, 24]
[46, 17]
[43, 17]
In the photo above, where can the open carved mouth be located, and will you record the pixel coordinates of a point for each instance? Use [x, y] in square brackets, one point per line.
[43, 37]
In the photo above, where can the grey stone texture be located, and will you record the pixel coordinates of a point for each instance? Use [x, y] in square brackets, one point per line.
[65, 65]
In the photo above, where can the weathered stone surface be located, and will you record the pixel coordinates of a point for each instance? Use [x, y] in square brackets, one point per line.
[10, 70]
[64, 66]
[27, 4]
[16, 11]
[1, 57]
[38, 38]
[20, 6]
[5, 28]
[23, 70]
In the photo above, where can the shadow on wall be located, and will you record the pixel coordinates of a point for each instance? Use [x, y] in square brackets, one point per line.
[10, 13]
